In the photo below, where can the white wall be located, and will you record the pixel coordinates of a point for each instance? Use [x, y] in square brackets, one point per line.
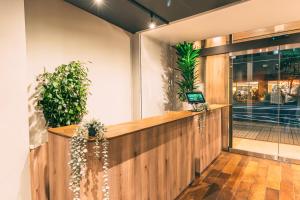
[14, 142]
[157, 77]
[57, 33]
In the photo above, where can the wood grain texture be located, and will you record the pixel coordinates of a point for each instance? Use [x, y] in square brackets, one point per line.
[233, 176]
[158, 162]
[39, 173]
[122, 129]
[225, 127]
[287, 28]
[217, 74]
[154, 163]
[208, 139]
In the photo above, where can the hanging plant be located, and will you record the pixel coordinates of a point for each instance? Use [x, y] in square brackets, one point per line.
[186, 65]
[62, 95]
[78, 152]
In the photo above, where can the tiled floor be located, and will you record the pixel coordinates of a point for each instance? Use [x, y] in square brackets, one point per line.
[234, 176]
[267, 132]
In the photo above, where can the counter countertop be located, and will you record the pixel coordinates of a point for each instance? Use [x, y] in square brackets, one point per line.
[118, 130]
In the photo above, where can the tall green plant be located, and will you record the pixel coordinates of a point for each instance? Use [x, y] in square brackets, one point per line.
[62, 95]
[186, 65]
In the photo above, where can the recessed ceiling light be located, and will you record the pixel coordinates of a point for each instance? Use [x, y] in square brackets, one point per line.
[98, 1]
[152, 25]
[169, 3]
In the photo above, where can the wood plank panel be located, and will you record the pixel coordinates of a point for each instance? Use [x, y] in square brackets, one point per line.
[217, 79]
[234, 176]
[144, 165]
[208, 139]
[39, 172]
[217, 74]
[225, 127]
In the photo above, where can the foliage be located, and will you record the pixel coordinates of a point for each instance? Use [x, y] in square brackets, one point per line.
[289, 65]
[62, 95]
[95, 129]
[186, 65]
[78, 152]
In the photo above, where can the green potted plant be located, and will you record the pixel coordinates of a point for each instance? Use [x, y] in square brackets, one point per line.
[186, 64]
[62, 95]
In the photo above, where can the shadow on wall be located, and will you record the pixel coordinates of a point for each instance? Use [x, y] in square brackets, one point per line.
[168, 61]
[24, 186]
[37, 124]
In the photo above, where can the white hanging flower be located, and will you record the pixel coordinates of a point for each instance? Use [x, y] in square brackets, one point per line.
[78, 152]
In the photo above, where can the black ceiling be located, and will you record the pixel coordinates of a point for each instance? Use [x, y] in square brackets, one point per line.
[133, 17]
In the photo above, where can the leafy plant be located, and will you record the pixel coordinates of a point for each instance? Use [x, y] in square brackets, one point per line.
[186, 65]
[78, 153]
[62, 95]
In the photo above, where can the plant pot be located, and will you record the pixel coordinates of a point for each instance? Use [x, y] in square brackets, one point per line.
[92, 132]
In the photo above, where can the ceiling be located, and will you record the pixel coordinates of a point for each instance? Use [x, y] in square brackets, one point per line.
[249, 15]
[134, 18]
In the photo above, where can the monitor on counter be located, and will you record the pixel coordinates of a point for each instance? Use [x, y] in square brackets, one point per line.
[195, 97]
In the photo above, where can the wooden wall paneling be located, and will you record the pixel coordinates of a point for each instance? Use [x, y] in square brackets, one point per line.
[217, 74]
[225, 127]
[39, 173]
[217, 79]
[162, 163]
[292, 27]
[58, 167]
[210, 144]
[143, 165]
[197, 142]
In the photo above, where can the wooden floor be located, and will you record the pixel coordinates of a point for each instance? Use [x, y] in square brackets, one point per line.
[267, 132]
[234, 176]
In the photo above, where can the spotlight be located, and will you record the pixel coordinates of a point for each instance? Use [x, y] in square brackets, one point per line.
[152, 24]
[98, 1]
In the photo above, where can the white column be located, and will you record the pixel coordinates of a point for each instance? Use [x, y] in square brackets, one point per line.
[14, 139]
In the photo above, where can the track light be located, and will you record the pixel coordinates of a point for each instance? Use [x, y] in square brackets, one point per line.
[152, 23]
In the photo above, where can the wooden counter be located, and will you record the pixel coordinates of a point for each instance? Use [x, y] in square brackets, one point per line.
[138, 125]
[154, 158]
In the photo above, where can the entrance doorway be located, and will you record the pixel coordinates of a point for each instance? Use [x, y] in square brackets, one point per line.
[266, 101]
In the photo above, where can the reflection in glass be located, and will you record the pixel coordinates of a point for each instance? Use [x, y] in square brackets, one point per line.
[266, 99]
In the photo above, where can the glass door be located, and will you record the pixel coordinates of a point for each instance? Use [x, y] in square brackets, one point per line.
[289, 109]
[256, 100]
[266, 101]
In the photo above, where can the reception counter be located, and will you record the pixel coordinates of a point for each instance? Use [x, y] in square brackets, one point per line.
[154, 158]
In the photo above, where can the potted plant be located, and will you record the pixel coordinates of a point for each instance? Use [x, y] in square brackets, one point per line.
[78, 152]
[62, 95]
[186, 64]
[93, 127]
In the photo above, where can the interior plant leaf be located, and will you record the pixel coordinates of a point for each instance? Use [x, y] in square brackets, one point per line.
[62, 95]
[186, 64]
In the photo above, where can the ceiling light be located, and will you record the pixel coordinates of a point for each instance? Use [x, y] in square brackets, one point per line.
[98, 1]
[152, 23]
[169, 3]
